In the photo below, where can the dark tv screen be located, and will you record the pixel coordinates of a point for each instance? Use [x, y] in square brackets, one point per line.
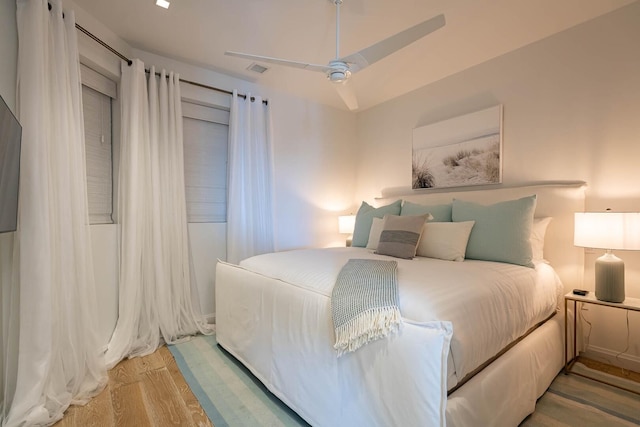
[10, 139]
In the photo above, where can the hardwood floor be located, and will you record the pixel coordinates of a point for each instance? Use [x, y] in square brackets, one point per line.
[151, 391]
[610, 369]
[143, 391]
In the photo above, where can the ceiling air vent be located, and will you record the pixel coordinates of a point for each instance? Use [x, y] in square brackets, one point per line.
[257, 68]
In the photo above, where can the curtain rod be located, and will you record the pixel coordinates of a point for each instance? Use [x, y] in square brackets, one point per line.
[129, 62]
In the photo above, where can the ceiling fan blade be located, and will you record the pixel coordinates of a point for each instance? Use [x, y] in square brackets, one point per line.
[348, 95]
[376, 52]
[285, 62]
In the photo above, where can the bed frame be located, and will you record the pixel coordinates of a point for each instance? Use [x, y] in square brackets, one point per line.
[505, 392]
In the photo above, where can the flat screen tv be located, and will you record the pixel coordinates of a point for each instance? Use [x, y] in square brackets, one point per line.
[10, 141]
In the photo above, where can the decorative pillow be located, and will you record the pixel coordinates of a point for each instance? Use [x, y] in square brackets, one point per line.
[440, 213]
[502, 231]
[537, 237]
[374, 234]
[400, 235]
[364, 218]
[445, 240]
[376, 230]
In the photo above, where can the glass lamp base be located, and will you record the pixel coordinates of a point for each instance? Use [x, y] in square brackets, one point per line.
[610, 278]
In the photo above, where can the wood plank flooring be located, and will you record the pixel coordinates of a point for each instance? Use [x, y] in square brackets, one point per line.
[142, 392]
[150, 391]
[610, 369]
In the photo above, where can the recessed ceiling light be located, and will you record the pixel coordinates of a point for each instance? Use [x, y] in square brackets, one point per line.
[162, 3]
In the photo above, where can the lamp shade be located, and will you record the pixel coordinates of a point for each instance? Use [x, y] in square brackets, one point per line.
[346, 224]
[607, 230]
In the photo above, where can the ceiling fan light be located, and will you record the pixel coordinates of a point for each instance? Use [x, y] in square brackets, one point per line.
[338, 76]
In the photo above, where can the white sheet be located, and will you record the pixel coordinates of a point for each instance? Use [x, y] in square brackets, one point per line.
[489, 304]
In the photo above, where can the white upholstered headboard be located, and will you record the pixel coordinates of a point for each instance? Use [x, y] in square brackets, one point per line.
[557, 199]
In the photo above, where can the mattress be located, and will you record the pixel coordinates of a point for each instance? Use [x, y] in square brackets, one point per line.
[489, 305]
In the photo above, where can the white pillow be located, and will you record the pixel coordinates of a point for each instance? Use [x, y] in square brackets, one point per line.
[538, 231]
[374, 233]
[445, 240]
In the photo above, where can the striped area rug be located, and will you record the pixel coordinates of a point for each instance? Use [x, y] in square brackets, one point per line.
[231, 396]
[572, 400]
[228, 393]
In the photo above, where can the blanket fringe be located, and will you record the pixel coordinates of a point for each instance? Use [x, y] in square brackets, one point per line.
[368, 326]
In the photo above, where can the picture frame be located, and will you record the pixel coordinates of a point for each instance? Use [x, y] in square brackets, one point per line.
[459, 152]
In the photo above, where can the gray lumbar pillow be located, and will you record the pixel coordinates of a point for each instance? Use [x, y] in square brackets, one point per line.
[400, 235]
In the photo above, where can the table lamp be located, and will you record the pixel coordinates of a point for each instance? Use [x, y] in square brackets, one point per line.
[346, 224]
[609, 231]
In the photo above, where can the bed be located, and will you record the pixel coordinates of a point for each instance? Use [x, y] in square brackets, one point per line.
[480, 341]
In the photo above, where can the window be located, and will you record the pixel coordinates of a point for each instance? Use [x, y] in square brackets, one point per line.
[206, 135]
[97, 94]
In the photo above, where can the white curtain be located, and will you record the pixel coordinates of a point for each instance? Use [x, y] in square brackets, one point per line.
[249, 209]
[158, 294]
[58, 359]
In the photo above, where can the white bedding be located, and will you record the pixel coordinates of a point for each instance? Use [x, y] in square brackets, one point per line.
[283, 335]
[488, 304]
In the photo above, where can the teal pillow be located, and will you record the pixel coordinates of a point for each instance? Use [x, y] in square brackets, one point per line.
[501, 232]
[440, 213]
[364, 219]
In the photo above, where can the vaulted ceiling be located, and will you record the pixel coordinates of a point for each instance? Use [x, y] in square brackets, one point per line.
[200, 31]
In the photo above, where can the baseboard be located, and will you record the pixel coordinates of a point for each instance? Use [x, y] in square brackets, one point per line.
[626, 361]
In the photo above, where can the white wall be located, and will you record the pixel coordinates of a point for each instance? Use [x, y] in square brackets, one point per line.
[571, 112]
[314, 168]
[104, 244]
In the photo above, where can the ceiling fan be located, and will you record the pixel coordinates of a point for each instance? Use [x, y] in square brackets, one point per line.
[340, 69]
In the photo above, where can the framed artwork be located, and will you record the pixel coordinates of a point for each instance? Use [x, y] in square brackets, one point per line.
[462, 151]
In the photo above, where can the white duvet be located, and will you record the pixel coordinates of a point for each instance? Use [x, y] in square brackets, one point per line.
[273, 314]
[489, 304]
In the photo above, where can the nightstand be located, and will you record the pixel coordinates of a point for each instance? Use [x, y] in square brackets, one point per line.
[628, 304]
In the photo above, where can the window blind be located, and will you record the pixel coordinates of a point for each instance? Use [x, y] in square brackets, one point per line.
[205, 132]
[97, 130]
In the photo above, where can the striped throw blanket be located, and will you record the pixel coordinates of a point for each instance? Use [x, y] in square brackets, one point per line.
[365, 303]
